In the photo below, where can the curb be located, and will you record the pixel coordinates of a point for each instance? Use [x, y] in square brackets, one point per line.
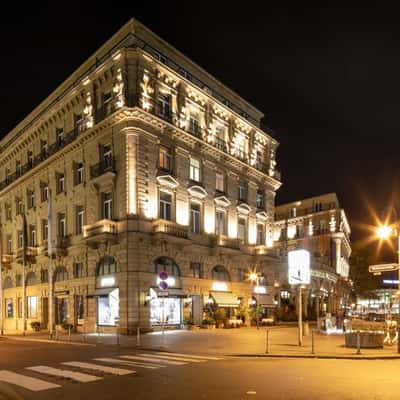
[26, 339]
[315, 356]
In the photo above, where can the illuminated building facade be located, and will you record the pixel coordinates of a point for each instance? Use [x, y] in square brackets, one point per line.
[319, 225]
[151, 165]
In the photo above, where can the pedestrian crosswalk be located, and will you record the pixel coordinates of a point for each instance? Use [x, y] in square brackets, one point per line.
[97, 369]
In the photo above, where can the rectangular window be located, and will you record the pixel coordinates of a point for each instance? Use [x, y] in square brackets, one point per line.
[195, 217]
[108, 309]
[44, 275]
[62, 225]
[9, 244]
[220, 223]
[43, 149]
[8, 212]
[18, 168]
[220, 182]
[29, 157]
[107, 205]
[194, 124]
[164, 105]
[60, 183]
[260, 199]
[9, 308]
[31, 199]
[78, 173]
[197, 270]
[45, 229]
[79, 219]
[241, 229]
[59, 137]
[32, 235]
[78, 123]
[19, 207]
[165, 159]
[107, 156]
[78, 270]
[242, 191]
[165, 206]
[194, 169]
[32, 304]
[44, 191]
[18, 280]
[220, 138]
[260, 235]
[20, 239]
[242, 275]
[293, 212]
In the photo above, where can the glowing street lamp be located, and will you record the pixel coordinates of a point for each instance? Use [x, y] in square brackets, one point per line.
[384, 231]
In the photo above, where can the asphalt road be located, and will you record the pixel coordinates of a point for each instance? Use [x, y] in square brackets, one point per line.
[226, 378]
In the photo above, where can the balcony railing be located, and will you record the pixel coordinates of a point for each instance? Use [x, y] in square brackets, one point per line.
[104, 226]
[196, 130]
[226, 241]
[166, 115]
[105, 165]
[105, 110]
[30, 254]
[171, 228]
[220, 144]
[241, 155]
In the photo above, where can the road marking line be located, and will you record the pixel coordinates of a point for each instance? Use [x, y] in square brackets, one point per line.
[96, 367]
[171, 358]
[64, 373]
[151, 359]
[129, 363]
[189, 355]
[27, 382]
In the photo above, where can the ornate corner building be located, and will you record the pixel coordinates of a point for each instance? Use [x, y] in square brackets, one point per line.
[152, 165]
[319, 225]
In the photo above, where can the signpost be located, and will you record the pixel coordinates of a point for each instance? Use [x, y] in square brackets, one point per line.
[377, 269]
[299, 274]
[163, 285]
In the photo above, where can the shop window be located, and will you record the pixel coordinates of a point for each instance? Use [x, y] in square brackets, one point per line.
[32, 306]
[19, 307]
[108, 309]
[107, 265]
[9, 308]
[31, 279]
[168, 265]
[165, 311]
[219, 273]
[61, 274]
[8, 283]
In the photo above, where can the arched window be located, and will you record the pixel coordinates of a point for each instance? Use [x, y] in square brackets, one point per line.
[219, 273]
[8, 283]
[107, 265]
[30, 279]
[168, 265]
[61, 274]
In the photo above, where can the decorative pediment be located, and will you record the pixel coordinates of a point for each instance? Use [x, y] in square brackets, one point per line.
[198, 192]
[222, 201]
[262, 216]
[243, 208]
[168, 181]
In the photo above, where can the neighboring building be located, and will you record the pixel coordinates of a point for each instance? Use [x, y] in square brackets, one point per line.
[319, 225]
[152, 165]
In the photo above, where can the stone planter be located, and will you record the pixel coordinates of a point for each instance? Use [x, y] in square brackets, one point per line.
[368, 340]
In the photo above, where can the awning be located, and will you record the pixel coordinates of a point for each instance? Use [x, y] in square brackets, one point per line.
[101, 292]
[225, 299]
[170, 292]
[265, 300]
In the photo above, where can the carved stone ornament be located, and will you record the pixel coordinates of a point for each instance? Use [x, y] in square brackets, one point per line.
[198, 192]
[222, 201]
[167, 181]
[243, 208]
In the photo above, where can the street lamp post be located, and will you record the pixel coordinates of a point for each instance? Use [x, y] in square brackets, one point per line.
[254, 277]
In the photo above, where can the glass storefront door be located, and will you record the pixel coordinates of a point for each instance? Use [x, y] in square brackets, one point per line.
[167, 309]
[108, 309]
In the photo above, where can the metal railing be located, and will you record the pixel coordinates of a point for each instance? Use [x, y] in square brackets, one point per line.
[105, 165]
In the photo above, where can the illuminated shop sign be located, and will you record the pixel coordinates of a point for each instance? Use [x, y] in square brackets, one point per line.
[260, 289]
[219, 286]
[299, 267]
[107, 281]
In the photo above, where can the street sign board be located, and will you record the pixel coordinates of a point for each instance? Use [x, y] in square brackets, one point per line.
[163, 284]
[299, 267]
[383, 268]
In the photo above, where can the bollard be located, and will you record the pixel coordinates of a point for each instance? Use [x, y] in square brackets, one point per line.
[267, 341]
[313, 341]
[117, 338]
[69, 333]
[137, 337]
[358, 343]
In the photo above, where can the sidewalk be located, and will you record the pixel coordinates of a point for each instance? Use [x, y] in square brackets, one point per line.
[245, 342]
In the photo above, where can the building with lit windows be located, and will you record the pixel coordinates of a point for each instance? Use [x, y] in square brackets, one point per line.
[151, 165]
[319, 225]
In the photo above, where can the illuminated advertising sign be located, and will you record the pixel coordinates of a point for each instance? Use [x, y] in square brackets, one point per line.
[299, 267]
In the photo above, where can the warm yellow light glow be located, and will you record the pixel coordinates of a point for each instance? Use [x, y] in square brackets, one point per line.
[182, 212]
[252, 232]
[384, 231]
[151, 209]
[253, 276]
[209, 219]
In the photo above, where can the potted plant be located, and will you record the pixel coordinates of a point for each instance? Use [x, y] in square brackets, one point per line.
[35, 325]
[209, 322]
[220, 317]
[188, 324]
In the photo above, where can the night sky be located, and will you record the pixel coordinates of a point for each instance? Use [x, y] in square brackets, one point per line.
[328, 80]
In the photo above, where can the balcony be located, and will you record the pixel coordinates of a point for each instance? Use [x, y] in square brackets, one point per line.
[105, 168]
[196, 130]
[60, 246]
[102, 231]
[171, 228]
[104, 111]
[231, 243]
[220, 144]
[242, 155]
[30, 255]
[263, 167]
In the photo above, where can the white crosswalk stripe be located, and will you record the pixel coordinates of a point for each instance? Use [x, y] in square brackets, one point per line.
[97, 367]
[26, 382]
[129, 363]
[153, 359]
[189, 355]
[174, 358]
[64, 373]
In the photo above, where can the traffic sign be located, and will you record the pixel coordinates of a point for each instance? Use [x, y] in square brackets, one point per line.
[163, 284]
[383, 268]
